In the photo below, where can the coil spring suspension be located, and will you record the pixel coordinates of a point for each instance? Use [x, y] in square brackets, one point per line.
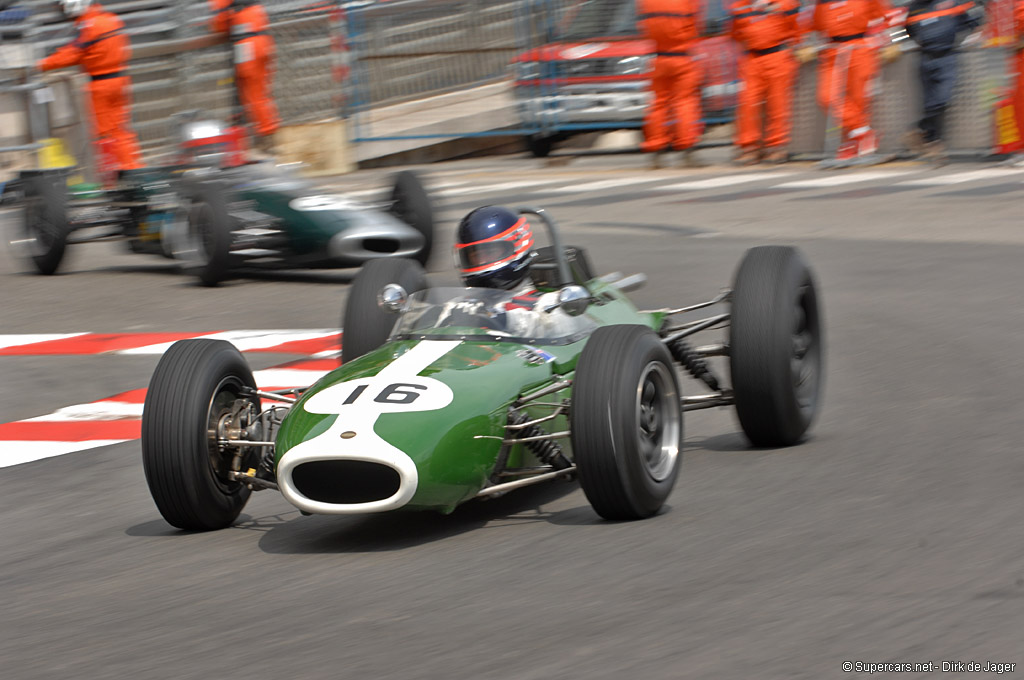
[547, 450]
[693, 362]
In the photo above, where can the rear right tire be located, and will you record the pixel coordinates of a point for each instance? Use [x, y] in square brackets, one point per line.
[777, 346]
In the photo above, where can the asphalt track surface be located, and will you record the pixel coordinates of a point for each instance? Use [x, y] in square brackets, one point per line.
[892, 535]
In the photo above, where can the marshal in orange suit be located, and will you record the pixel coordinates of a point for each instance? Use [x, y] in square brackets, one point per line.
[767, 30]
[673, 119]
[850, 52]
[245, 25]
[102, 50]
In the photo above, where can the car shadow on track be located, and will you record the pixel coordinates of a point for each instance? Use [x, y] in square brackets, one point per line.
[729, 442]
[291, 534]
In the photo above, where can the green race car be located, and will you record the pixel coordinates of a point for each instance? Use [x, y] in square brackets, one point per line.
[450, 394]
[216, 212]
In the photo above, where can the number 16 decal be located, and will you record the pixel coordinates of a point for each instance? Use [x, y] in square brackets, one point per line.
[395, 393]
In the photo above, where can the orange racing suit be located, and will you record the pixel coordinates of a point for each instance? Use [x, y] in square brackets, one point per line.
[102, 50]
[844, 23]
[767, 30]
[246, 25]
[674, 116]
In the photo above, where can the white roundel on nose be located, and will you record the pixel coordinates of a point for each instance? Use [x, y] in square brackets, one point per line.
[397, 388]
[358, 404]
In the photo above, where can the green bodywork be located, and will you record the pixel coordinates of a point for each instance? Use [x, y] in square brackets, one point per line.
[455, 448]
[308, 232]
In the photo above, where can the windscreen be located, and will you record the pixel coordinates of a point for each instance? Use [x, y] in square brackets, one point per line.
[518, 316]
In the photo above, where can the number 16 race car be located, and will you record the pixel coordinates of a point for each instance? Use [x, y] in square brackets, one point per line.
[444, 395]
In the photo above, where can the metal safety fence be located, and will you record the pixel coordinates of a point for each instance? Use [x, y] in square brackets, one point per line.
[456, 54]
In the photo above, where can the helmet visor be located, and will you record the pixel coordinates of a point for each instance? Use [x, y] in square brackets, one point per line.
[479, 256]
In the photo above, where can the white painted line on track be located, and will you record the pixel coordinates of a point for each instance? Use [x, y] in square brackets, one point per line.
[836, 180]
[18, 452]
[97, 410]
[960, 177]
[383, 191]
[604, 184]
[723, 181]
[243, 340]
[489, 188]
[31, 339]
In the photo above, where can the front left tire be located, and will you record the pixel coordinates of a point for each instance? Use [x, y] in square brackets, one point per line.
[627, 422]
[197, 385]
[45, 225]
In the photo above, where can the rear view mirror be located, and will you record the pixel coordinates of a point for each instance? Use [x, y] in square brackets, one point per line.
[392, 298]
[573, 300]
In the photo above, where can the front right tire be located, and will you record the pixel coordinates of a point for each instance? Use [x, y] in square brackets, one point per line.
[365, 326]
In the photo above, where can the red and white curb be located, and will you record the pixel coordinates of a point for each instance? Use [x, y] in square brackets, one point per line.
[118, 418]
[317, 342]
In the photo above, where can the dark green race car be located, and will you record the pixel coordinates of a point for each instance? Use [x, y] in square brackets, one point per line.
[217, 220]
[450, 394]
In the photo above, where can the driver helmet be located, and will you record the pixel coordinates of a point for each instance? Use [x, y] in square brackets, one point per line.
[204, 142]
[74, 8]
[493, 248]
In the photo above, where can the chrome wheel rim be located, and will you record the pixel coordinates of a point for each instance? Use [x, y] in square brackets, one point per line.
[659, 421]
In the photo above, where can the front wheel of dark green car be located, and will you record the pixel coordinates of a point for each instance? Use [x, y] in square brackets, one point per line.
[627, 422]
[45, 222]
[365, 326]
[196, 400]
[411, 203]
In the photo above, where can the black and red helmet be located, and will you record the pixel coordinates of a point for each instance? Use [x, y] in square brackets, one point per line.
[493, 247]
